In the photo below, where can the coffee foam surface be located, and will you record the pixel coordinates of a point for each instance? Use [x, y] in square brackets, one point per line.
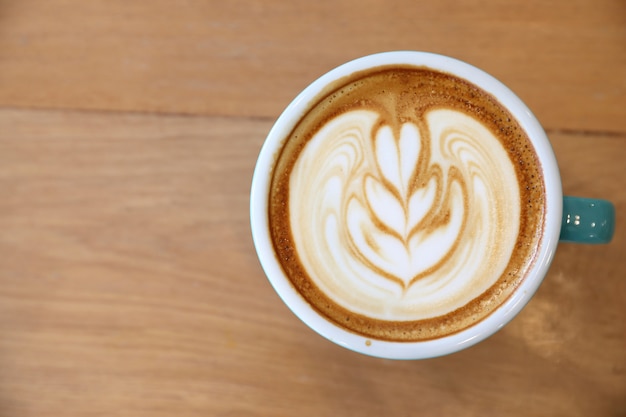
[403, 227]
[396, 208]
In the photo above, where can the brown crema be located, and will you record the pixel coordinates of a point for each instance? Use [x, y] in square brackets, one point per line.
[404, 94]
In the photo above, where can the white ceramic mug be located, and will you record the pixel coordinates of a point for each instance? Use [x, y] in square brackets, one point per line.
[596, 225]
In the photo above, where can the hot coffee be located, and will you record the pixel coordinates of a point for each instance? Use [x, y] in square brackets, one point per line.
[407, 204]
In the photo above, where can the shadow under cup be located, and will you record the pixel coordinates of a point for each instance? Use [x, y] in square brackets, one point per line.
[379, 123]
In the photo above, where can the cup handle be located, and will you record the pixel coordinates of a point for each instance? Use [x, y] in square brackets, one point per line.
[587, 220]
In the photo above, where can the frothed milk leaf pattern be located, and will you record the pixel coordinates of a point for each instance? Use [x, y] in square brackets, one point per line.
[394, 220]
[384, 236]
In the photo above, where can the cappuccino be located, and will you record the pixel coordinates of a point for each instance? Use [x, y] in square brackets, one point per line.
[406, 204]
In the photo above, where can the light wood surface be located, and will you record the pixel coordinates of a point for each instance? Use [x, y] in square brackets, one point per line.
[129, 284]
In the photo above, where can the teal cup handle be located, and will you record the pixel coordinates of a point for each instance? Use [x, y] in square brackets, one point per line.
[587, 220]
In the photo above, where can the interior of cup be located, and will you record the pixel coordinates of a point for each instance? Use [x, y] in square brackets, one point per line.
[405, 350]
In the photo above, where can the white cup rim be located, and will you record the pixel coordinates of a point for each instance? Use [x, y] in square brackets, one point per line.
[420, 349]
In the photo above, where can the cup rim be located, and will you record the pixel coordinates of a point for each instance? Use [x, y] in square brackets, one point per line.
[395, 349]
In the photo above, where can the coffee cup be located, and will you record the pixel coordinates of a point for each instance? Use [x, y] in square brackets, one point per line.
[407, 205]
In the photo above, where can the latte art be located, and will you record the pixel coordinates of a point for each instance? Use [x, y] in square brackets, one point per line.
[398, 227]
[406, 204]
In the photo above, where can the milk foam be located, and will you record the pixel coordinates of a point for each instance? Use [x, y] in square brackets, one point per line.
[407, 223]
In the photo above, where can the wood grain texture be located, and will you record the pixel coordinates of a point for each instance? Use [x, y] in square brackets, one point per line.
[129, 284]
[567, 59]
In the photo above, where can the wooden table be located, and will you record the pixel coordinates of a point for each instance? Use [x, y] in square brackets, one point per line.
[129, 284]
